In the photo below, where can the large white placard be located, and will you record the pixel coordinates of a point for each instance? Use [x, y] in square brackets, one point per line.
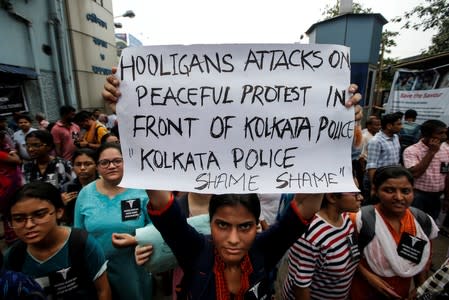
[240, 118]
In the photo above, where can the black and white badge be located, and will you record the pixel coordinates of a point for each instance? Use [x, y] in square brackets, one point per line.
[44, 282]
[130, 209]
[259, 291]
[411, 247]
[353, 247]
[444, 167]
[63, 281]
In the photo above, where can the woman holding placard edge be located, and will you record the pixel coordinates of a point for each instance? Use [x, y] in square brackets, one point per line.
[234, 262]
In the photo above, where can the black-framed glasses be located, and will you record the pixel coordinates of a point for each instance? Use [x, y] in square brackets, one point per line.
[38, 217]
[34, 145]
[105, 163]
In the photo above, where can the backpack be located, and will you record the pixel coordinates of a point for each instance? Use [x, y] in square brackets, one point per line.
[97, 127]
[76, 245]
[366, 234]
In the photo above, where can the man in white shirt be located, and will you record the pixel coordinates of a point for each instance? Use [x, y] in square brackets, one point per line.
[24, 123]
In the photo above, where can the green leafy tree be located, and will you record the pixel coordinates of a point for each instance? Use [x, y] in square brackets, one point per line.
[433, 14]
[388, 74]
[384, 78]
[331, 11]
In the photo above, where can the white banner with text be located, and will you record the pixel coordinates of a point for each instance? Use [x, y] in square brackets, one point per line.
[418, 90]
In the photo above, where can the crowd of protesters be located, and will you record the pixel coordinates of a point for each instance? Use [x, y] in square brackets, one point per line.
[72, 231]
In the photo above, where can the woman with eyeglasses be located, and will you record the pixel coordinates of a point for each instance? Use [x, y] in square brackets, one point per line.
[85, 168]
[322, 262]
[43, 166]
[67, 263]
[112, 214]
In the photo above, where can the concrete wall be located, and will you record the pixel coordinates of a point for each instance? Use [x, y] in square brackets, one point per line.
[79, 38]
[16, 36]
[24, 29]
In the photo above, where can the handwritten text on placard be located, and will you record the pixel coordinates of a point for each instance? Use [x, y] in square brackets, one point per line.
[236, 118]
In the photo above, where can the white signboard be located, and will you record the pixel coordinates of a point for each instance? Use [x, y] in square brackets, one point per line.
[418, 90]
[265, 118]
[429, 104]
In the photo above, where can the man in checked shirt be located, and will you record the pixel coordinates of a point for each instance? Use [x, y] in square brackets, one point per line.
[428, 161]
[384, 148]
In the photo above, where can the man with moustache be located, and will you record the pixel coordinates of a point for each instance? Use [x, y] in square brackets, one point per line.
[24, 122]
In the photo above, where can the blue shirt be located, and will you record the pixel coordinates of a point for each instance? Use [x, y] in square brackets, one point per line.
[55, 271]
[102, 216]
[383, 151]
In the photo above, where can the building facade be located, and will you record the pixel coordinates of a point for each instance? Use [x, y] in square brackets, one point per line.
[55, 53]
